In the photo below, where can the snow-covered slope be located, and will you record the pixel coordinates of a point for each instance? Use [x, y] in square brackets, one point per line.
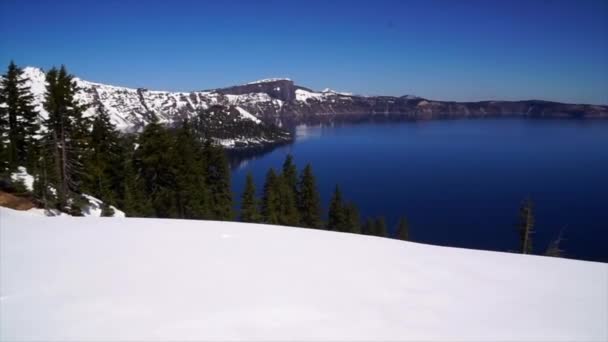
[67, 278]
[130, 109]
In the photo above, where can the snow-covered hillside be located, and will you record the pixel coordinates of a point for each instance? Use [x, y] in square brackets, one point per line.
[130, 109]
[67, 278]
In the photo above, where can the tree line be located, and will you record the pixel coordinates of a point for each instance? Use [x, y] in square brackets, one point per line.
[161, 172]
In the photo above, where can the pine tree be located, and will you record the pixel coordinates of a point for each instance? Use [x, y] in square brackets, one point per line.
[309, 201]
[403, 230]
[249, 202]
[380, 227]
[336, 216]
[526, 226]
[352, 219]
[65, 139]
[133, 201]
[103, 160]
[290, 174]
[218, 182]
[18, 120]
[270, 200]
[288, 208]
[192, 195]
[153, 160]
[368, 227]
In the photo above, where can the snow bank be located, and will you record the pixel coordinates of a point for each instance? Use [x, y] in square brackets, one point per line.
[94, 208]
[67, 278]
[23, 176]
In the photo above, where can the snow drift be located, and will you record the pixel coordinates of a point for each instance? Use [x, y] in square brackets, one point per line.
[68, 278]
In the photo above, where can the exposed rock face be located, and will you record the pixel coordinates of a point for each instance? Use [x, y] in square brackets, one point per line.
[279, 102]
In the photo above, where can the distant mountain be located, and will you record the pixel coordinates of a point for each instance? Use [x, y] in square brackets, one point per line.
[261, 107]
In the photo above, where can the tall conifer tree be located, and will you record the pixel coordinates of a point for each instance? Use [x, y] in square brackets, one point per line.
[271, 199]
[336, 216]
[153, 160]
[103, 160]
[352, 219]
[66, 136]
[19, 122]
[249, 203]
[309, 201]
[218, 182]
[192, 195]
[403, 230]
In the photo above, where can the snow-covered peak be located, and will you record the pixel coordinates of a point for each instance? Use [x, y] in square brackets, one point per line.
[267, 80]
[331, 91]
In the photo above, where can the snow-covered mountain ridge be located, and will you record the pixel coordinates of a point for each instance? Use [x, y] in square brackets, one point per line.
[126, 279]
[130, 109]
[279, 101]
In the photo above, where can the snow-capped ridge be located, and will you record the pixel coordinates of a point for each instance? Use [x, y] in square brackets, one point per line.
[268, 80]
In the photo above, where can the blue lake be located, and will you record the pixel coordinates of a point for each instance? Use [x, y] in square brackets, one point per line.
[460, 182]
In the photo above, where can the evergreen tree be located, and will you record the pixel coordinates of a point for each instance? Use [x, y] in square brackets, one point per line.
[403, 230]
[218, 182]
[288, 208]
[368, 227]
[290, 174]
[380, 227]
[309, 201]
[103, 164]
[133, 201]
[526, 226]
[249, 202]
[18, 120]
[270, 201]
[336, 219]
[153, 160]
[65, 139]
[352, 219]
[192, 195]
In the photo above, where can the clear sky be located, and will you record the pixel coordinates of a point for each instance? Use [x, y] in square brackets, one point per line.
[449, 50]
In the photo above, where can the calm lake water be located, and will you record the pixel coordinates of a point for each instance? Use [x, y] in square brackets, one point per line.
[460, 182]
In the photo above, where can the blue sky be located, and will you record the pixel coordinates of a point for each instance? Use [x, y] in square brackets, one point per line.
[450, 50]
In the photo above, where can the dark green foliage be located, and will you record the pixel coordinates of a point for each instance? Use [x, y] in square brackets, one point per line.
[288, 209]
[134, 202]
[106, 210]
[352, 219]
[249, 202]
[336, 218]
[103, 172]
[221, 122]
[18, 121]
[309, 201]
[380, 227]
[526, 226]
[66, 139]
[403, 230]
[153, 165]
[271, 205]
[192, 197]
[290, 174]
[218, 182]
[368, 227]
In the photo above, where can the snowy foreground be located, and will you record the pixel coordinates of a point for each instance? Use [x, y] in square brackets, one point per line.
[66, 278]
